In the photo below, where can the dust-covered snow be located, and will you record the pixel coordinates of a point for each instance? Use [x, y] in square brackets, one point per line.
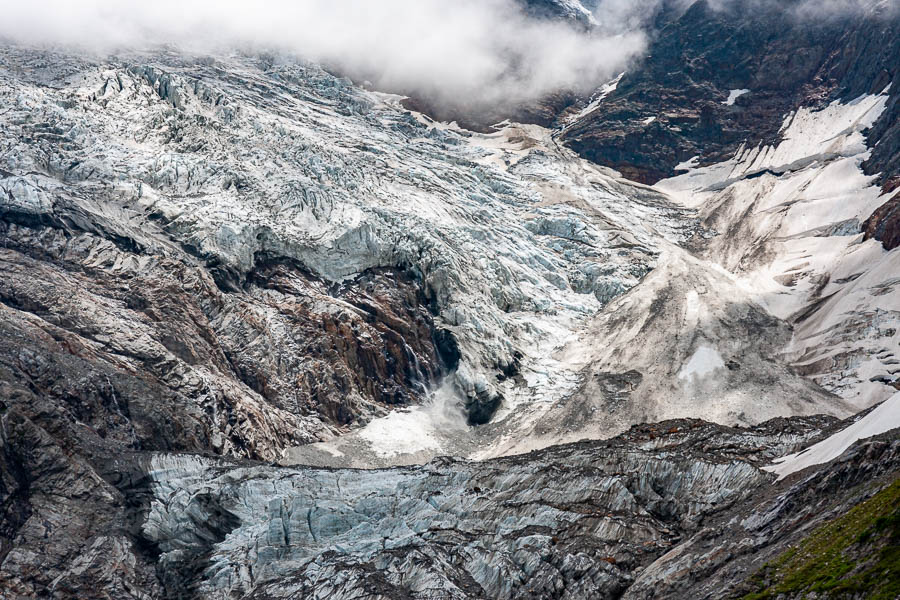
[786, 219]
[704, 361]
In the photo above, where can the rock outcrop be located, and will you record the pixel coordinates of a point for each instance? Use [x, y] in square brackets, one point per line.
[884, 224]
[121, 338]
[719, 75]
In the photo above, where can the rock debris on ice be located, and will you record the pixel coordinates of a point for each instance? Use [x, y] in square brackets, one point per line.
[786, 220]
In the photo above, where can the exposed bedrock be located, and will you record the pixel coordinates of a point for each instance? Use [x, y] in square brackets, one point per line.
[102, 341]
[719, 75]
[884, 224]
[64, 531]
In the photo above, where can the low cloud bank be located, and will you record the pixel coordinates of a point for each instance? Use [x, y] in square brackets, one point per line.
[483, 51]
[464, 53]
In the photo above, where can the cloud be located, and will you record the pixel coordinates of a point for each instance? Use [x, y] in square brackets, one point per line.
[466, 54]
[484, 51]
[818, 9]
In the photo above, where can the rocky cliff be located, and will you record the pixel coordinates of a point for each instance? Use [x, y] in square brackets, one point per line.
[719, 75]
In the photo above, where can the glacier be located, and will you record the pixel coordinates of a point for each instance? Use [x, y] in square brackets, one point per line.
[542, 266]
[250, 308]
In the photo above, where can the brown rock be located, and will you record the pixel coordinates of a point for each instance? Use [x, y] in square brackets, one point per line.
[884, 224]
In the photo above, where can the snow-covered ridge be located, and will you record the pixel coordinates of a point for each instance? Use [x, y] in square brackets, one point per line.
[809, 136]
[595, 100]
[733, 95]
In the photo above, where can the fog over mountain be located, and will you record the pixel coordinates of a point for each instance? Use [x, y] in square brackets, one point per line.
[485, 50]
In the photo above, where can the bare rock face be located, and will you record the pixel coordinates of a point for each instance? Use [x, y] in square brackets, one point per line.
[884, 224]
[719, 75]
[64, 530]
[118, 338]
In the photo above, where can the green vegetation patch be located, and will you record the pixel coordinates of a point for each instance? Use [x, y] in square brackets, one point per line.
[857, 553]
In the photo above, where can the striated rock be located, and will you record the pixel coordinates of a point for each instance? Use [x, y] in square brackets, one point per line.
[125, 338]
[64, 531]
[891, 184]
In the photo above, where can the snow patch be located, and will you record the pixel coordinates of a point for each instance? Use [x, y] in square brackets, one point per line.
[691, 163]
[705, 360]
[418, 429]
[882, 419]
[598, 97]
[734, 95]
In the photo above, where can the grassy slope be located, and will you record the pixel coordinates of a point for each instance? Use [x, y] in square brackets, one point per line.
[855, 554]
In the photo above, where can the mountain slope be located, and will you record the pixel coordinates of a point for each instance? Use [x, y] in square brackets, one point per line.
[788, 223]
[628, 517]
[239, 190]
[720, 75]
[269, 255]
[249, 308]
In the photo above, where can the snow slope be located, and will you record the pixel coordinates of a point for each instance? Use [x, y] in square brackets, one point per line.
[633, 353]
[883, 418]
[595, 100]
[786, 221]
